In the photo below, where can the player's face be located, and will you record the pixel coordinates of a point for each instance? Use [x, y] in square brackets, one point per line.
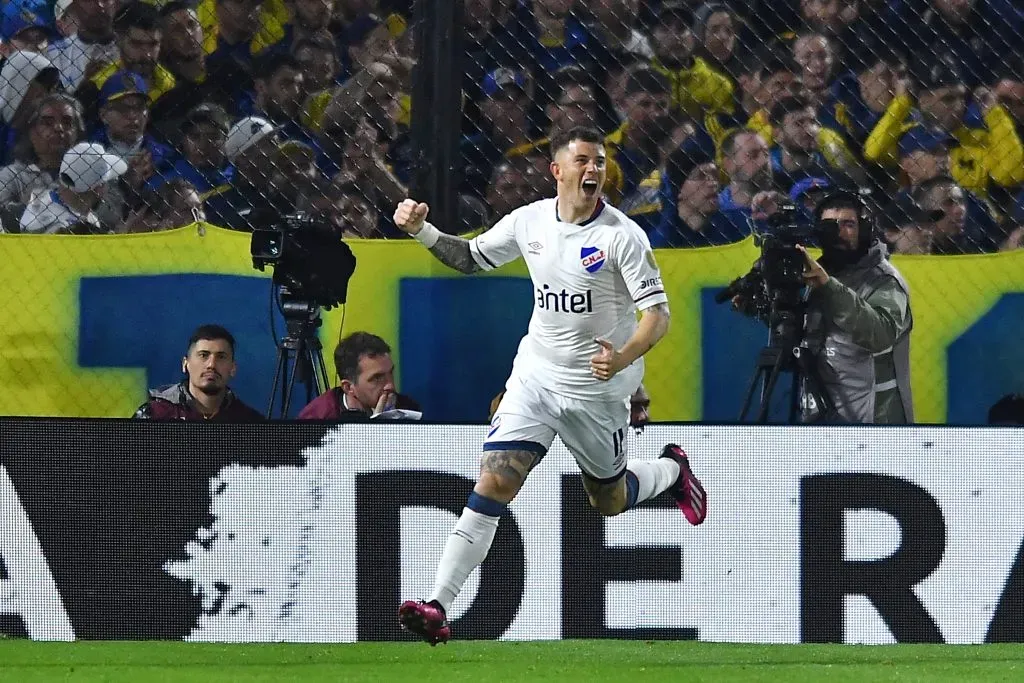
[376, 376]
[210, 364]
[579, 169]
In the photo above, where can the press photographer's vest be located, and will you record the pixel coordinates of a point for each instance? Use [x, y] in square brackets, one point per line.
[866, 387]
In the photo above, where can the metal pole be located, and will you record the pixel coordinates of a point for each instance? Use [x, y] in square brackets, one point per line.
[437, 107]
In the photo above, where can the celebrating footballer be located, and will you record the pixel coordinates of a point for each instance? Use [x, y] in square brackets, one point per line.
[592, 269]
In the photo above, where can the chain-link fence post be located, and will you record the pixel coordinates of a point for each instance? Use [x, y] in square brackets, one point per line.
[437, 107]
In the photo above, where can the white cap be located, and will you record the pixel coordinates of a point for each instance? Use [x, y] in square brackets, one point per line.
[61, 8]
[87, 165]
[246, 133]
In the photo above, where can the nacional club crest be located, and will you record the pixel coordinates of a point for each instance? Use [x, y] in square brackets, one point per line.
[592, 258]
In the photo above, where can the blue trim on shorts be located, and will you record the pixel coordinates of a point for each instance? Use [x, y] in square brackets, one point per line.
[529, 446]
[610, 480]
[486, 506]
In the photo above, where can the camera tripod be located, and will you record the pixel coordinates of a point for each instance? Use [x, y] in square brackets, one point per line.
[786, 353]
[300, 357]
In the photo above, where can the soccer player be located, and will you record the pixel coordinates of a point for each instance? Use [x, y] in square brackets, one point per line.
[592, 269]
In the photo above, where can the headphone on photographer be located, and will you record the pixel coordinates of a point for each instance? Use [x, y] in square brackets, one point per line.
[848, 198]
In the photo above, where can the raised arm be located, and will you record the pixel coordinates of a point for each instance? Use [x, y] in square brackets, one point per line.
[451, 250]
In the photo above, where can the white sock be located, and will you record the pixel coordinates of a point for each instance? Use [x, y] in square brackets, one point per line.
[653, 476]
[466, 548]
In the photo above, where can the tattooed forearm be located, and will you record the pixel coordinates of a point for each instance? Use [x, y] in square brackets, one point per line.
[513, 465]
[453, 251]
[661, 309]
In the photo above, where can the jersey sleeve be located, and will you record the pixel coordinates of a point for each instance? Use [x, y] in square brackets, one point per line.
[639, 270]
[497, 246]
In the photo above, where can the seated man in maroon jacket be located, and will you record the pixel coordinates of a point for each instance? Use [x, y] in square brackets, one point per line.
[367, 388]
[204, 394]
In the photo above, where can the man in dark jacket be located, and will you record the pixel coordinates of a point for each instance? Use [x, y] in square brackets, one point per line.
[367, 388]
[858, 319]
[204, 393]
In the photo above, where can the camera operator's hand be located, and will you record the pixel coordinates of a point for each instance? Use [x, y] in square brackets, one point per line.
[814, 274]
[410, 216]
[605, 363]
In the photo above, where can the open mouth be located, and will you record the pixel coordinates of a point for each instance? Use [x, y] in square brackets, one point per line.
[589, 187]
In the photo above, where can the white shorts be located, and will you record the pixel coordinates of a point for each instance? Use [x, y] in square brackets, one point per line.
[530, 416]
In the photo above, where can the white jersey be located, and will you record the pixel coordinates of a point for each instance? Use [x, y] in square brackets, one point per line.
[589, 282]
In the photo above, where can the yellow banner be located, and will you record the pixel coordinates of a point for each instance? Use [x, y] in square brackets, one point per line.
[43, 372]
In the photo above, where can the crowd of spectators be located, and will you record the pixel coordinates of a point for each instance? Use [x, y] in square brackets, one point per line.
[147, 115]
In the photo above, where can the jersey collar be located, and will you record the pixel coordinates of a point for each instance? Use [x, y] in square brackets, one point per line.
[597, 212]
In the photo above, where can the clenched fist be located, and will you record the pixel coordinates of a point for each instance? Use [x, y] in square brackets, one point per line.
[410, 215]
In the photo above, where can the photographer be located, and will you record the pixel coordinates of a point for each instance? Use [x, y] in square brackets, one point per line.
[842, 322]
[858, 318]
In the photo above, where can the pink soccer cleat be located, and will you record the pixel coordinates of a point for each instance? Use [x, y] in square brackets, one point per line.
[425, 619]
[688, 492]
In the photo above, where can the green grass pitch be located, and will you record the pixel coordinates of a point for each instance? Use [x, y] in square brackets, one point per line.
[596, 661]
